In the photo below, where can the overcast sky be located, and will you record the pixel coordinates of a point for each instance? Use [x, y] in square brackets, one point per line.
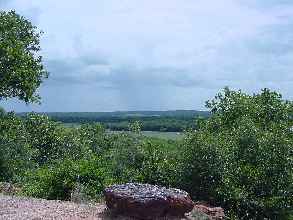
[106, 55]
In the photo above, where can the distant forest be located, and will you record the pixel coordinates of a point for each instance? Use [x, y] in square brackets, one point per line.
[168, 121]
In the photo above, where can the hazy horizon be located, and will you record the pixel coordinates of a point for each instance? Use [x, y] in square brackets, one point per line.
[170, 110]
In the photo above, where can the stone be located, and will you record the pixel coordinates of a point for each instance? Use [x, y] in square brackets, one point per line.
[9, 189]
[214, 213]
[145, 201]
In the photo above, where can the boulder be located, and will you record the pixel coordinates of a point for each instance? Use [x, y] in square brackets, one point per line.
[145, 201]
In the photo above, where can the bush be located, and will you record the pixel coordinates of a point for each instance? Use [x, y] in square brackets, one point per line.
[59, 180]
[94, 138]
[135, 158]
[111, 158]
[52, 141]
[47, 137]
[158, 166]
[125, 157]
[242, 156]
[258, 177]
[201, 165]
[15, 152]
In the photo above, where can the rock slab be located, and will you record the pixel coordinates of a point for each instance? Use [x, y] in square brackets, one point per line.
[145, 201]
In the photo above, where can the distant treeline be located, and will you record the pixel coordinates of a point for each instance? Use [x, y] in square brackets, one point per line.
[175, 121]
[153, 124]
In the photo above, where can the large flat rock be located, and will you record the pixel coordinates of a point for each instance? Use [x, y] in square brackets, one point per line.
[145, 201]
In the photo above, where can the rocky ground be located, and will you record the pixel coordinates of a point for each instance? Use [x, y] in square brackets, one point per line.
[21, 208]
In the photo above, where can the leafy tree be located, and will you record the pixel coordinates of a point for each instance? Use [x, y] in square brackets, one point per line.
[242, 155]
[21, 68]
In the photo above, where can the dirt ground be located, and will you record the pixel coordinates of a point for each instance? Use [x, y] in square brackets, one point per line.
[19, 208]
[23, 208]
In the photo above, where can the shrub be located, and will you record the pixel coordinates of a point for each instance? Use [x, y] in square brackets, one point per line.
[58, 180]
[158, 166]
[135, 158]
[94, 137]
[15, 152]
[52, 141]
[46, 136]
[125, 157]
[242, 156]
[201, 165]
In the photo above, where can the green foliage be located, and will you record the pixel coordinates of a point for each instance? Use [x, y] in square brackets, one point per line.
[243, 163]
[135, 158]
[50, 161]
[53, 141]
[2, 112]
[58, 180]
[264, 109]
[241, 157]
[15, 152]
[258, 181]
[158, 166]
[114, 158]
[21, 69]
[202, 165]
[135, 127]
[46, 136]
[125, 157]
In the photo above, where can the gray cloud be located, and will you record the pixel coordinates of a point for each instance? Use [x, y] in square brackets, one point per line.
[159, 54]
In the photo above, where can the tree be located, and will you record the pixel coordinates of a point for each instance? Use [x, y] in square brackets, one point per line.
[241, 157]
[21, 68]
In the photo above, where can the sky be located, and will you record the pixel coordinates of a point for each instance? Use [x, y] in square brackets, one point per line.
[108, 55]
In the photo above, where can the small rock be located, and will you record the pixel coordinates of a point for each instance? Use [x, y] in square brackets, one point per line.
[8, 188]
[145, 201]
[214, 213]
